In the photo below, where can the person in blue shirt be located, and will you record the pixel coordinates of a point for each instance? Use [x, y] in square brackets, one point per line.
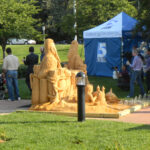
[136, 67]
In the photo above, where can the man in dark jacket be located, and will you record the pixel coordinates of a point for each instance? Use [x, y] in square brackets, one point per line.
[30, 61]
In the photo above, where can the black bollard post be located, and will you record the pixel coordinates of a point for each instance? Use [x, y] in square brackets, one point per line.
[81, 103]
[81, 95]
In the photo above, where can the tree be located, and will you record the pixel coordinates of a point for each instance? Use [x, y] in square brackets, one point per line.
[144, 18]
[91, 13]
[51, 14]
[135, 3]
[68, 20]
[16, 20]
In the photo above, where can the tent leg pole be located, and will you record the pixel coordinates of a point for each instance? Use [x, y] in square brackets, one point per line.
[121, 52]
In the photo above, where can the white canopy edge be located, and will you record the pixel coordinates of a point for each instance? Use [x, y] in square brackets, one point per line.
[102, 34]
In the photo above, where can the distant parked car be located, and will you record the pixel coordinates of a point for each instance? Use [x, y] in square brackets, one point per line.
[31, 42]
[16, 41]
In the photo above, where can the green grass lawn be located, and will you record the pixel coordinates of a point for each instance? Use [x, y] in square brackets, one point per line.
[22, 50]
[41, 131]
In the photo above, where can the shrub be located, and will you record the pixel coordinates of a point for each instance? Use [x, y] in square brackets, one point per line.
[22, 71]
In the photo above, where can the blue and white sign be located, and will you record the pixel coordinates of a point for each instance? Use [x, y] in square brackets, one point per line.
[101, 52]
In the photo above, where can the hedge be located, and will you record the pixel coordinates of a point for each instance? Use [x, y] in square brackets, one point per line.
[21, 71]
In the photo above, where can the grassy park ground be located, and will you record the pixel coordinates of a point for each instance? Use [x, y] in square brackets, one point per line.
[23, 50]
[41, 131]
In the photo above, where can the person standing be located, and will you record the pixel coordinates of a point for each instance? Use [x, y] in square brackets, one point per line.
[30, 61]
[136, 68]
[10, 68]
[147, 69]
[42, 53]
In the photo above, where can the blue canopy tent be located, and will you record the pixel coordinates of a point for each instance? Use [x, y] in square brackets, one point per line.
[105, 44]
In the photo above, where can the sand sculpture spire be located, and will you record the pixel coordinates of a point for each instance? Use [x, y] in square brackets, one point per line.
[74, 60]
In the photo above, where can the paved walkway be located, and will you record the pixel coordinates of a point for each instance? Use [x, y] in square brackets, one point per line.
[142, 116]
[9, 106]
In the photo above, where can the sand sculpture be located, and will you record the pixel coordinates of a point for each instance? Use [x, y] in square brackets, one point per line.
[97, 97]
[51, 84]
[111, 97]
[54, 88]
[74, 60]
[100, 98]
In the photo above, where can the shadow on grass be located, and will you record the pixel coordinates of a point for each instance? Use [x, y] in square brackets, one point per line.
[61, 50]
[35, 122]
[141, 127]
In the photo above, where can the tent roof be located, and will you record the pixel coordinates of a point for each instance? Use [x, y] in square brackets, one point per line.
[112, 28]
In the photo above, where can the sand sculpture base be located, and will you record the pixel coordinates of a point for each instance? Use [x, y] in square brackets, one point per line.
[109, 111]
[113, 111]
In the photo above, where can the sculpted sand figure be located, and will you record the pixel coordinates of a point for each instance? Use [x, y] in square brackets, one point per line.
[52, 84]
[44, 79]
[49, 65]
[100, 96]
[111, 97]
[88, 93]
[74, 60]
[51, 59]
[103, 102]
[97, 91]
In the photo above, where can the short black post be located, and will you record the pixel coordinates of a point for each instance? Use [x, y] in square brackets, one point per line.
[81, 95]
[81, 102]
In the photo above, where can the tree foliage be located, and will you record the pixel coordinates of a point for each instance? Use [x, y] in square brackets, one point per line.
[144, 18]
[16, 20]
[59, 19]
[91, 13]
[51, 15]
[19, 18]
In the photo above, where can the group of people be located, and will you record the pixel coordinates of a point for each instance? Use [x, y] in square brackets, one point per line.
[10, 71]
[136, 70]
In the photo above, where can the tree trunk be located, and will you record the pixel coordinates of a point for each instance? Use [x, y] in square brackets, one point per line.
[3, 48]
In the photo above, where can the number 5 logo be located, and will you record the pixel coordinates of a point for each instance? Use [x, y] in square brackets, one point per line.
[101, 51]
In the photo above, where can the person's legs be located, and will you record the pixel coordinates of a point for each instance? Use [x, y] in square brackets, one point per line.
[15, 84]
[28, 81]
[132, 81]
[148, 81]
[139, 80]
[9, 82]
[142, 75]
